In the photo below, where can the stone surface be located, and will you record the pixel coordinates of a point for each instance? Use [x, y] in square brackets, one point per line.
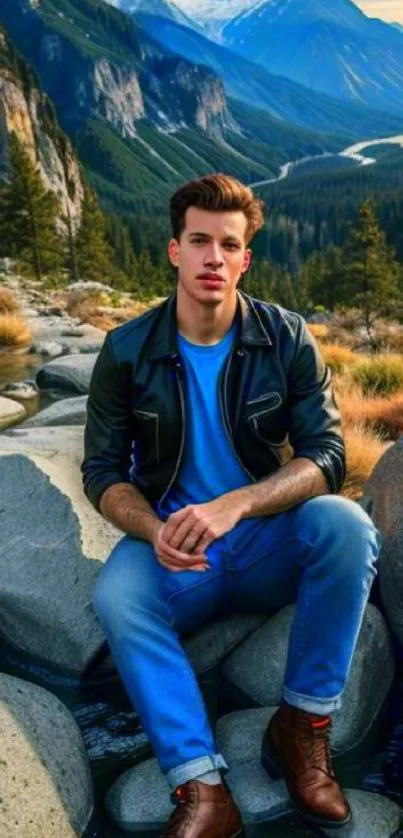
[10, 412]
[139, 801]
[385, 487]
[217, 638]
[46, 573]
[71, 374]
[45, 781]
[257, 668]
[64, 412]
[20, 390]
[49, 348]
[391, 576]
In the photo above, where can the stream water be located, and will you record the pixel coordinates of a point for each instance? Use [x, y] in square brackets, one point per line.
[112, 731]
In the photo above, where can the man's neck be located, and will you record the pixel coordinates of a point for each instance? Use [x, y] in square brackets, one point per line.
[201, 324]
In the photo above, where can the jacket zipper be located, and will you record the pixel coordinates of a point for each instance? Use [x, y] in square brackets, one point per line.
[224, 414]
[178, 366]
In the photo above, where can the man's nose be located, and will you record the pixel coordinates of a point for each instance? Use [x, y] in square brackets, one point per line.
[213, 255]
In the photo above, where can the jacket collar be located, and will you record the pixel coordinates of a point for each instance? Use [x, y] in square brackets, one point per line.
[163, 341]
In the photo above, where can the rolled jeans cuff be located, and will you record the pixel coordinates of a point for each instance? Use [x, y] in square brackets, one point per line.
[194, 768]
[312, 703]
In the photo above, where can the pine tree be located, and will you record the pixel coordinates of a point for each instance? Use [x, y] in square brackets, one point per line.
[28, 215]
[94, 256]
[370, 279]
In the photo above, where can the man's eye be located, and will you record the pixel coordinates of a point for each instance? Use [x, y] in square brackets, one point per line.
[232, 245]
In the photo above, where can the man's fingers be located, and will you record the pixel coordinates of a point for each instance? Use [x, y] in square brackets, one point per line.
[186, 535]
[180, 559]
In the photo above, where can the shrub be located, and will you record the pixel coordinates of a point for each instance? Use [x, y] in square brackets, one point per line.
[14, 331]
[363, 450]
[382, 375]
[8, 301]
[320, 331]
[380, 415]
[338, 357]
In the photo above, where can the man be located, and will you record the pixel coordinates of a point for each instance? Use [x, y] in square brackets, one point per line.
[211, 387]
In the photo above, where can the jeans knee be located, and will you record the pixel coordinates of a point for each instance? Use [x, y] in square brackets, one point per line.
[344, 523]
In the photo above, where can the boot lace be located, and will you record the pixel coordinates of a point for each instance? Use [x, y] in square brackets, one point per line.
[315, 736]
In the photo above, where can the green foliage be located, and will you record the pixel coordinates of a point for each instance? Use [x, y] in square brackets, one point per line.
[28, 214]
[381, 376]
[94, 256]
[369, 273]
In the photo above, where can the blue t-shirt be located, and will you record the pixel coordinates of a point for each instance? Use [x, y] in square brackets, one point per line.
[209, 466]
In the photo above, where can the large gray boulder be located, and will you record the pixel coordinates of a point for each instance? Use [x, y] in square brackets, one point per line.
[257, 667]
[64, 412]
[385, 487]
[52, 546]
[45, 780]
[70, 374]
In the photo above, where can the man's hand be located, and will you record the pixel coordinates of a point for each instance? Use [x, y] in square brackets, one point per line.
[195, 526]
[176, 560]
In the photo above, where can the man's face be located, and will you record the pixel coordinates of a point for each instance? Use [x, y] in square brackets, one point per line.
[211, 254]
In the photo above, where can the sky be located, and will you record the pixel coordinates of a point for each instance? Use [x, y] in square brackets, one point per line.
[386, 9]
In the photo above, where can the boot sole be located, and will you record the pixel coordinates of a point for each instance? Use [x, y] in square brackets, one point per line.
[274, 771]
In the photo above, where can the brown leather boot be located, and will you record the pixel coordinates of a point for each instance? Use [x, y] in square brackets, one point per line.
[203, 811]
[296, 746]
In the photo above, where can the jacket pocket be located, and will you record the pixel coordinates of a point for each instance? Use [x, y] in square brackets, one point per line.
[266, 420]
[148, 431]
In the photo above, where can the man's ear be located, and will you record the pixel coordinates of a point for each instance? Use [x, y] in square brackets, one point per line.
[173, 252]
[247, 258]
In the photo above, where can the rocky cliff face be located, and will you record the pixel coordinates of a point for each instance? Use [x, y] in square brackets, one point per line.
[98, 64]
[27, 112]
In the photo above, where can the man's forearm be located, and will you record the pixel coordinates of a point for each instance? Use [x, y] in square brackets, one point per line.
[125, 507]
[298, 480]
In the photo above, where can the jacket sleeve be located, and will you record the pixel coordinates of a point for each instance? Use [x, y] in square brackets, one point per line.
[314, 418]
[108, 430]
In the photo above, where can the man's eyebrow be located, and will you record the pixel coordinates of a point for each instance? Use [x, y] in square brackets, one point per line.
[228, 237]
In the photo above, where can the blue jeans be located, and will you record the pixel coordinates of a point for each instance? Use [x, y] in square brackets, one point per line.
[321, 555]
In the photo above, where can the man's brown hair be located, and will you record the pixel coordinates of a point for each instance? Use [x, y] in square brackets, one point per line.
[219, 193]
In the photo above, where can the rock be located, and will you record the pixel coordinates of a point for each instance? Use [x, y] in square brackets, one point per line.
[45, 786]
[49, 348]
[217, 638]
[71, 374]
[91, 285]
[21, 390]
[29, 312]
[385, 487]
[256, 669]
[63, 412]
[46, 573]
[73, 333]
[10, 412]
[139, 801]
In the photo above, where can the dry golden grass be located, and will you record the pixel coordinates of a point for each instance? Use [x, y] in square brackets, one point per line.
[14, 331]
[94, 308]
[363, 450]
[320, 331]
[383, 416]
[9, 303]
[338, 357]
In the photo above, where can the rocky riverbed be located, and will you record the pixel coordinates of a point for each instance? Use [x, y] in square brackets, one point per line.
[75, 761]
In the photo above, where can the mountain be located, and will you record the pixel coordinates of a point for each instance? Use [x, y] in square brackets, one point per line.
[28, 112]
[278, 96]
[162, 8]
[328, 45]
[143, 119]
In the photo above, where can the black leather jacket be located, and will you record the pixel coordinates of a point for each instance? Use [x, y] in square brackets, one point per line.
[274, 392]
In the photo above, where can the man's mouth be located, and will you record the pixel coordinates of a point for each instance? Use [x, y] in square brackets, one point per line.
[211, 277]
